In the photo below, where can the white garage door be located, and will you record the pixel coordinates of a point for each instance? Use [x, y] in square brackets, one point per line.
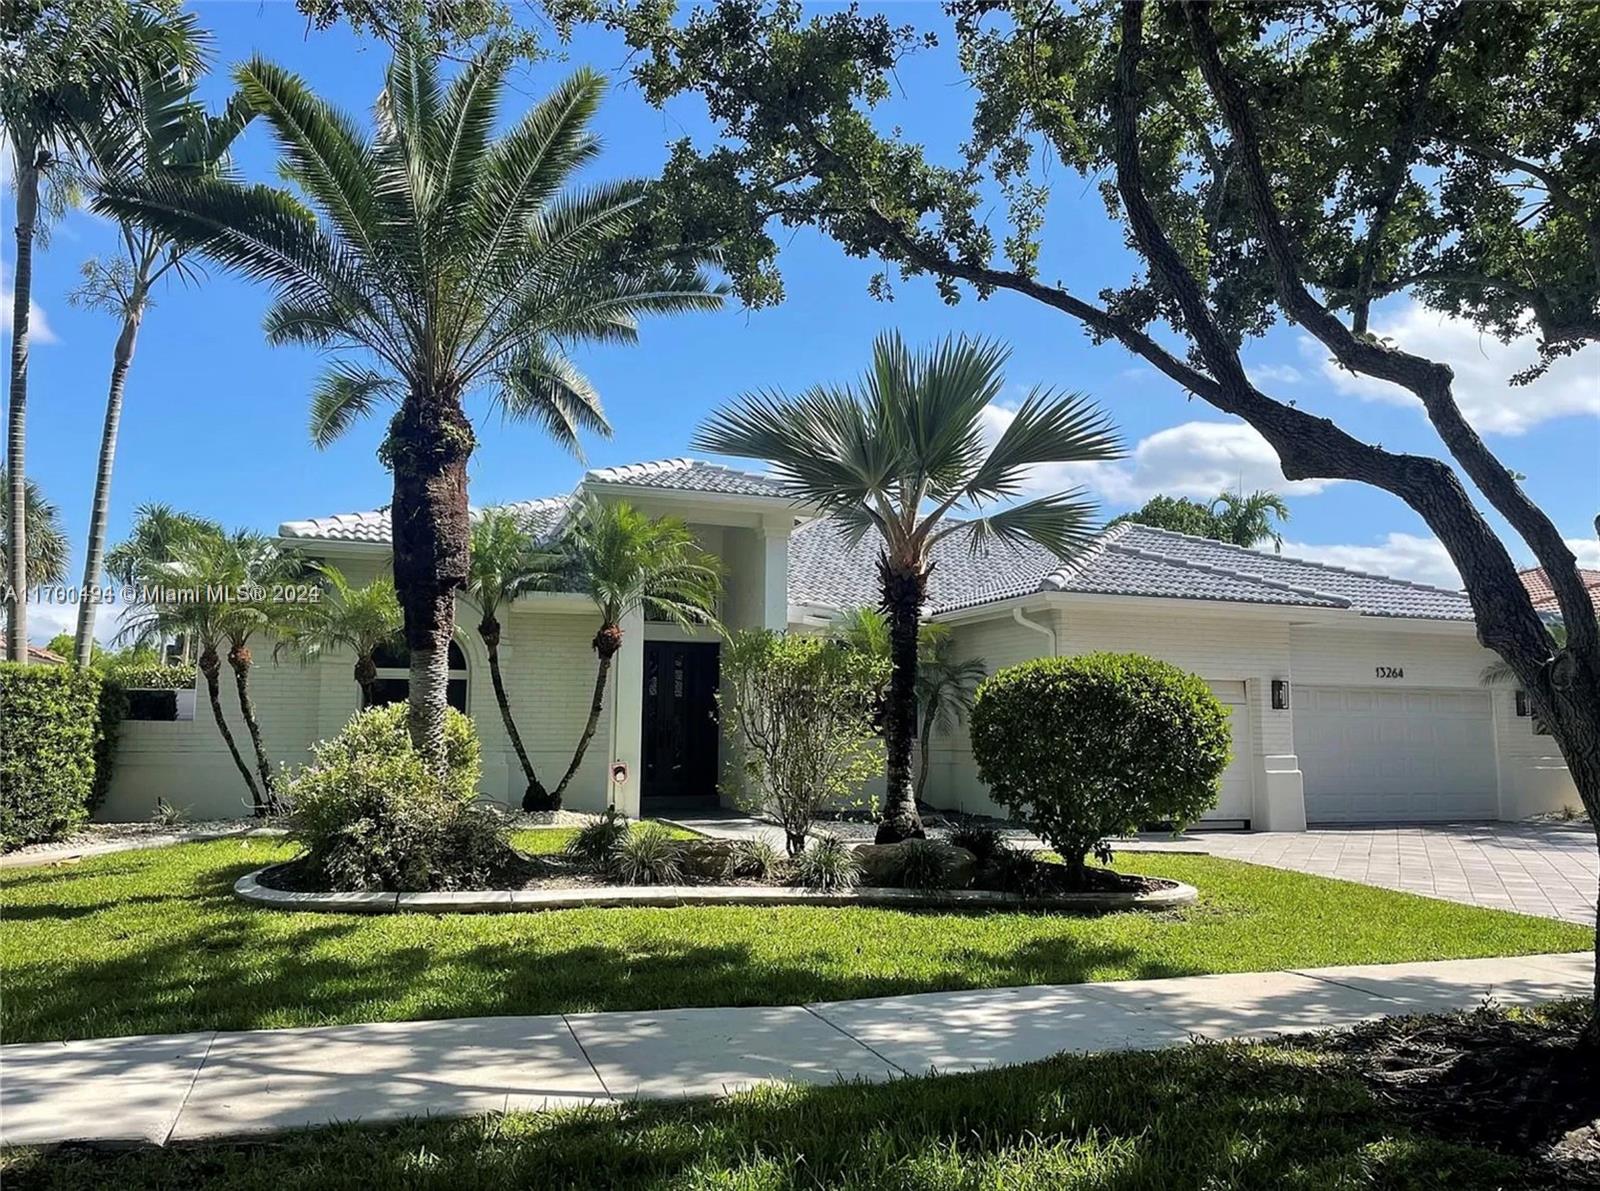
[1234, 801]
[1373, 755]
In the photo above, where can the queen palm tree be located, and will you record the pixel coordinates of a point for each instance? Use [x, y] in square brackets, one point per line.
[895, 455]
[360, 619]
[946, 689]
[164, 133]
[69, 64]
[1248, 520]
[205, 576]
[630, 562]
[508, 562]
[442, 261]
[46, 541]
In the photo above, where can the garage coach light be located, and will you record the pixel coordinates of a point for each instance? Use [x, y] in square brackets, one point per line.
[1280, 694]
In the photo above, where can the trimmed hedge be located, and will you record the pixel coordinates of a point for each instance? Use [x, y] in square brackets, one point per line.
[50, 738]
[1099, 745]
[151, 676]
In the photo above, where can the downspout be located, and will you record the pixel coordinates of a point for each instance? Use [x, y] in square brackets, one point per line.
[1016, 615]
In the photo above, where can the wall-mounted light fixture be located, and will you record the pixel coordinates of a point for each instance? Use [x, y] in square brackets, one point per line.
[1280, 694]
[1522, 703]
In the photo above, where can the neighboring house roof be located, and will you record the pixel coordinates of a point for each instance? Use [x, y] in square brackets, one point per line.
[827, 570]
[679, 475]
[1544, 596]
[38, 654]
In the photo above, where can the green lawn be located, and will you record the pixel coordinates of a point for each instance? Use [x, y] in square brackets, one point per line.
[1236, 1117]
[155, 942]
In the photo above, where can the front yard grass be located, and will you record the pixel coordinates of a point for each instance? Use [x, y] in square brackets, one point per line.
[1297, 1115]
[155, 942]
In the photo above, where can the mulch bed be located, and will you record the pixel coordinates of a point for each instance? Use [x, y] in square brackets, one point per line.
[1524, 1085]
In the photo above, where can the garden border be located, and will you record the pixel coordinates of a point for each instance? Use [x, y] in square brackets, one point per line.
[522, 901]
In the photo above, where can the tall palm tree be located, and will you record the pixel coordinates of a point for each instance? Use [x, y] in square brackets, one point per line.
[630, 562]
[507, 561]
[946, 689]
[165, 133]
[69, 64]
[360, 619]
[894, 455]
[46, 541]
[1248, 520]
[442, 261]
[202, 578]
[158, 530]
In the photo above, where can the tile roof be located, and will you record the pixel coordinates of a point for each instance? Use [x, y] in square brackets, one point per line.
[1544, 596]
[375, 527]
[1130, 560]
[37, 654]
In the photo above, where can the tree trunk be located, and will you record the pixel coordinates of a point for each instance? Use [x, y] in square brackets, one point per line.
[17, 408]
[429, 443]
[239, 660]
[923, 742]
[211, 667]
[365, 674]
[903, 595]
[606, 643]
[535, 797]
[99, 513]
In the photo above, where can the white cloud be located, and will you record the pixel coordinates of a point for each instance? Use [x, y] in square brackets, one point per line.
[1587, 550]
[1400, 556]
[39, 331]
[1483, 369]
[1283, 374]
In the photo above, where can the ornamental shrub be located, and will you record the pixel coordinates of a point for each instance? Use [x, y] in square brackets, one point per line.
[1088, 747]
[374, 816]
[49, 730]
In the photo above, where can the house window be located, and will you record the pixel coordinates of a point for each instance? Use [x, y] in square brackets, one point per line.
[393, 684]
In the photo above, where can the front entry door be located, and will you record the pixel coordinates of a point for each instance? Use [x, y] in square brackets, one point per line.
[680, 722]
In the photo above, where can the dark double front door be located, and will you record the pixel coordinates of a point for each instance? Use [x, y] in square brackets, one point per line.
[680, 722]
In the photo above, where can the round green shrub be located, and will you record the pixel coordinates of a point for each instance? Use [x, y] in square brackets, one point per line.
[373, 815]
[1088, 747]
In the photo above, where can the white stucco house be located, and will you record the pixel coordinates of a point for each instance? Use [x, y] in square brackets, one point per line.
[1354, 697]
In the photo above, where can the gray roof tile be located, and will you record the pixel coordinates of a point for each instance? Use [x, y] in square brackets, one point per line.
[689, 475]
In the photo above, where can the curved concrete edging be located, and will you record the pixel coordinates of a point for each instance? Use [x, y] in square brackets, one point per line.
[521, 901]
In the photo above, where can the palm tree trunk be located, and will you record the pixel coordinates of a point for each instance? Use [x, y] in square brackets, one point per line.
[535, 797]
[239, 660]
[606, 643]
[211, 667]
[903, 594]
[99, 513]
[17, 407]
[923, 743]
[428, 446]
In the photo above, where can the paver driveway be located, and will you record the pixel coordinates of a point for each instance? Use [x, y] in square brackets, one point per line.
[1550, 869]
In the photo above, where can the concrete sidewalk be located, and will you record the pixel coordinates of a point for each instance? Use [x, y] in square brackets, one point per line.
[186, 1087]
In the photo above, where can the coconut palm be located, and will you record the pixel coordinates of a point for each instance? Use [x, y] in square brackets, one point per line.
[165, 133]
[443, 261]
[46, 541]
[68, 65]
[631, 562]
[360, 619]
[507, 561]
[946, 688]
[895, 455]
[1248, 520]
[206, 595]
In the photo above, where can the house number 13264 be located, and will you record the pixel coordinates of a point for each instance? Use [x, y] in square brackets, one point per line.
[1390, 672]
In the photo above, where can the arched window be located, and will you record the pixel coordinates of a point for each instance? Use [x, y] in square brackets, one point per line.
[393, 684]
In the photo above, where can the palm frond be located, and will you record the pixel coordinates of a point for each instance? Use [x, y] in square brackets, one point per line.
[546, 388]
[1047, 428]
[1063, 523]
[343, 396]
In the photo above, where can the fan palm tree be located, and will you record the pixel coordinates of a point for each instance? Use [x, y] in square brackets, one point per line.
[630, 562]
[166, 133]
[507, 562]
[895, 455]
[1248, 520]
[202, 584]
[946, 689]
[442, 261]
[68, 65]
[158, 529]
[46, 541]
[360, 619]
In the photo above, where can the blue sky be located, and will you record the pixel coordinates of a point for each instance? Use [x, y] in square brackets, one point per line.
[215, 419]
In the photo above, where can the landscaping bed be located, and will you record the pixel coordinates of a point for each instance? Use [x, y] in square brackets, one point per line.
[1306, 1113]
